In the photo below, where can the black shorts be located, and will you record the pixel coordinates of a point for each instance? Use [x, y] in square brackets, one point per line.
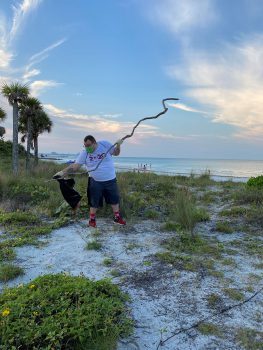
[97, 190]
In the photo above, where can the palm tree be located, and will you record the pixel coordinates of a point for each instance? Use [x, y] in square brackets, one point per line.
[15, 93]
[2, 117]
[28, 111]
[40, 124]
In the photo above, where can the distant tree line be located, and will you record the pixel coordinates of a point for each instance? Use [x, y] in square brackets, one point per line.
[29, 118]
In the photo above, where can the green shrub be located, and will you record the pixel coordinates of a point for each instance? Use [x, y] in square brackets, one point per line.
[201, 215]
[6, 148]
[28, 192]
[93, 245]
[151, 214]
[186, 243]
[256, 182]
[6, 253]
[234, 212]
[18, 218]
[202, 180]
[249, 195]
[170, 226]
[2, 185]
[63, 312]
[234, 294]
[107, 262]
[184, 211]
[213, 300]
[224, 227]
[170, 258]
[9, 272]
[250, 339]
[209, 328]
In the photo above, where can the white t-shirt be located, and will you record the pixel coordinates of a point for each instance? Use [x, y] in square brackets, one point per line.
[106, 169]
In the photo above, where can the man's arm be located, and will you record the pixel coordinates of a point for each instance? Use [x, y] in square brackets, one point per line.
[68, 170]
[117, 149]
[71, 168]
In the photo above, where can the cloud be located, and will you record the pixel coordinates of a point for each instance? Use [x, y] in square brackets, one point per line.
[20, 13]
[5, 58]
[117, 115]
[181, 16]
[43, 54]
[183, 107]
[228, 85]
[9, 33]
[31, 73]
[84, 122]
[5, 54]
[39, 86]
[39, 57]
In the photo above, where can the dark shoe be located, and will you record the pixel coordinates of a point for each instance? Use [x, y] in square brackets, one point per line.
[119, 220]
[92, 223]
[74, 210]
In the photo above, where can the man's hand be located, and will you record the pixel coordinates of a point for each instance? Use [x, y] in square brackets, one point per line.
[117, 149]
[119, 142]
[58, 175]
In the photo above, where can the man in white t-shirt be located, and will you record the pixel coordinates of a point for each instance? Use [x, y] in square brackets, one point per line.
[102, 181]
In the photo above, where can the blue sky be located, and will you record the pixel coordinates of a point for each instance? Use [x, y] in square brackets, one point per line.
[100, 66]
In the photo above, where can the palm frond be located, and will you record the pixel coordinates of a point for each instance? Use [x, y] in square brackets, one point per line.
[15, 92]
[2, 114]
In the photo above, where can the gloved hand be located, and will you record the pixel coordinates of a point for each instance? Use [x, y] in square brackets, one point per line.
[58, 175]
[119, 142]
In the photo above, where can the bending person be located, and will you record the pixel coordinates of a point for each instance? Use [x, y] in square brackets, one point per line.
[102, 181]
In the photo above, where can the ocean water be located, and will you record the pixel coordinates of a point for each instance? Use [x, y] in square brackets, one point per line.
[221, 169]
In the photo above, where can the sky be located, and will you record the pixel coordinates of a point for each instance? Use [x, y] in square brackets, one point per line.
[98, 67]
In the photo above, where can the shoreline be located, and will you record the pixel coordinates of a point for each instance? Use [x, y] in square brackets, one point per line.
[141, 170]
[217, 169]
[214, 177]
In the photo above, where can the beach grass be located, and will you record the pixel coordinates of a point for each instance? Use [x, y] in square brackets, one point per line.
[9, 272]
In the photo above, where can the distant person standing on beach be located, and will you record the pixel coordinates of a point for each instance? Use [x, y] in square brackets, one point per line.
[102, 182]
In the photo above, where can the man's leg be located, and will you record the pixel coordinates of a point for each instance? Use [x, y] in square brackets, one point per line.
[92, 211]
[92, 216]
[115, 207]
[111, 195]
[94, 193]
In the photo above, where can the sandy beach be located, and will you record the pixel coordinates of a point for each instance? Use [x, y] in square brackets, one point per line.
[165, 296]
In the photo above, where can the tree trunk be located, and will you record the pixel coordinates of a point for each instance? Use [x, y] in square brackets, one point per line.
[15, 139]
[36, 150]
[28, 146]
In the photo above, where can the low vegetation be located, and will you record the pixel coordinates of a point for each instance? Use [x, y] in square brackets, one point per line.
[63, 312]
[234, 294]
[223, 226]
[256, 182]
[31, 207]
[9, 272]
[210, 329]
[249, 339]
[94, 245]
